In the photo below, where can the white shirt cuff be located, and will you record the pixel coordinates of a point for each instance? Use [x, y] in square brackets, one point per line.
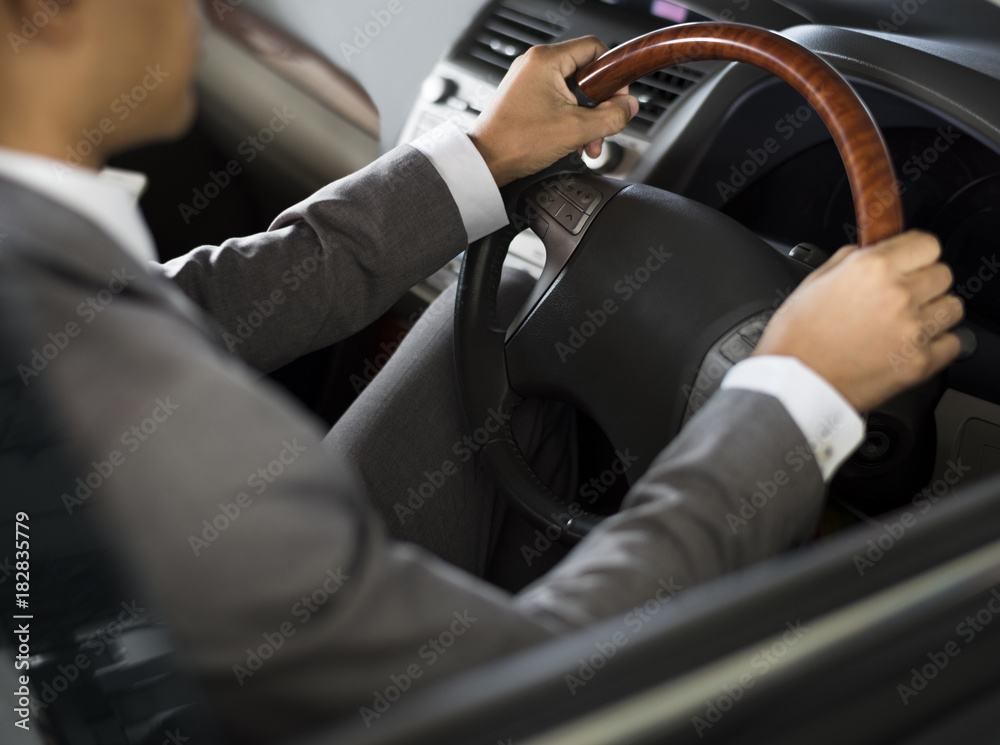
[830, 424]
[467, 176]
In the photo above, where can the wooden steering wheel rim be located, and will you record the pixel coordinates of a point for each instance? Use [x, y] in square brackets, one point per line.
[858, 138]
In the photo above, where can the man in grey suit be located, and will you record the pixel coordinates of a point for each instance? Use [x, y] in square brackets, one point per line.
[252, 526]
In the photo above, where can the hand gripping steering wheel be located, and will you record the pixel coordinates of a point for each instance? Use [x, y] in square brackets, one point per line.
[644, 293]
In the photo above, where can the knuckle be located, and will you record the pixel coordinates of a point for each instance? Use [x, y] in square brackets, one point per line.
[578, 128]
[617, 118]
[533, 54]
[922, 368]
[898, 299]
[914, 332]
[928, 366]
[877, 263]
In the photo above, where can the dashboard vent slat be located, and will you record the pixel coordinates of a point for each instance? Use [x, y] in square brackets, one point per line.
[544, 27]
[511, 32]
[658, 92]
[508, 32]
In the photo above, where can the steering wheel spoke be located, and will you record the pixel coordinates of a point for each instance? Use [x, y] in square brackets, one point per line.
[647, 297]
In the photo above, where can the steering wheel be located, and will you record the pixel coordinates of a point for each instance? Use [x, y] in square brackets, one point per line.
[646, 298]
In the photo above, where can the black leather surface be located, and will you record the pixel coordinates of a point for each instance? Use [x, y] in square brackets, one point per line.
[633, 373]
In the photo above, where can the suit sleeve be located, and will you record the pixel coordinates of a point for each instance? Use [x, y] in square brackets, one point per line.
[328, 266]
[737, 485]
[289, 602]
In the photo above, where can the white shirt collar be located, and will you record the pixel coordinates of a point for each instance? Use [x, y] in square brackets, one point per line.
[109, 198]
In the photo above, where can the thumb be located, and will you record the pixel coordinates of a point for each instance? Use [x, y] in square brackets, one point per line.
[609, 118]
[835, 260]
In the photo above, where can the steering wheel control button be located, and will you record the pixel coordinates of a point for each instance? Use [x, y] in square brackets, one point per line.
[753, 331]
[583, 195]
[732, 348]
[540, 226]
[736, 349]
[547, 201]
[571, 218]
[695, 402]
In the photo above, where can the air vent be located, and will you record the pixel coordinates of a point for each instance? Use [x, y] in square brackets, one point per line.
[658, 92]
[508, 33]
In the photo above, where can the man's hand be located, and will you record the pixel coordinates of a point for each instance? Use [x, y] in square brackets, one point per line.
[872, 321]
[534, 120]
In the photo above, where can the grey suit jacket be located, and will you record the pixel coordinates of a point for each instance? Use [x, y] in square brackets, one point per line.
[284, 593]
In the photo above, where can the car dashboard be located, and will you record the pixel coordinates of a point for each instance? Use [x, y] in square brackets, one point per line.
[734, 138]
[742, 142]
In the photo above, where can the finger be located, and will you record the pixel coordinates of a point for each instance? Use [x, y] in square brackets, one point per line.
[594, 148]
[571, 55]
[910, 251]
[835, 260]
[945, 312]
[607, 119]
[929, 283]
[942, 352]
